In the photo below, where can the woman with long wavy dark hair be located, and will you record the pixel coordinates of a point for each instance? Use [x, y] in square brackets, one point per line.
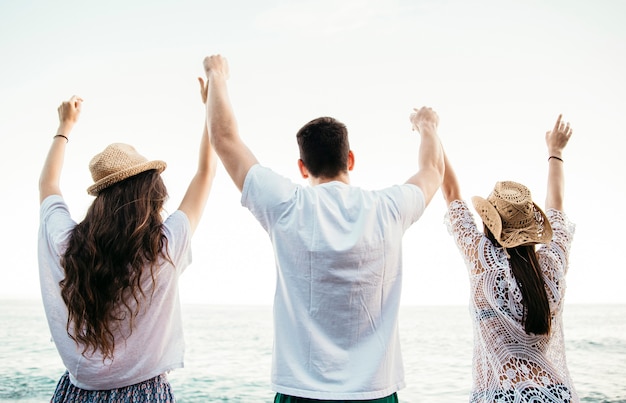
[110, 283]
[516, 290]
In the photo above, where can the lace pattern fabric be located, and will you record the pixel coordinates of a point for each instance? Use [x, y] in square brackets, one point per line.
[508, 364]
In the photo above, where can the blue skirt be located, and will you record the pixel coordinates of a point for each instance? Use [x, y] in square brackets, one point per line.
[155, 390]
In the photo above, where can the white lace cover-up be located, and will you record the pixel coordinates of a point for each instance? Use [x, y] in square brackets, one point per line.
[508, 364]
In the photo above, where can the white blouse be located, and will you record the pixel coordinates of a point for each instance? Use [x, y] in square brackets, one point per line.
[508, 364]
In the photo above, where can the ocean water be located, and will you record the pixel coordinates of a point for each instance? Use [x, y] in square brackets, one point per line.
[228, 354]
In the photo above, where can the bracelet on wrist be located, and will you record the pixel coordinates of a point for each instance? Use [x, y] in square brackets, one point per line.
[64, 136]
[555, 157]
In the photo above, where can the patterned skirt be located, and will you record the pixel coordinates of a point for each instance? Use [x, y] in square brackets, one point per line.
[280, 398]
[155, 390]
[550, 394]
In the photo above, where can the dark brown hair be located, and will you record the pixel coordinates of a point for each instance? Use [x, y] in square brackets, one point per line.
[527, 272]
[324, 147]
[109, 252]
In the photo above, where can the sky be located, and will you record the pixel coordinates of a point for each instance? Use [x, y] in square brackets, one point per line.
[497, 72]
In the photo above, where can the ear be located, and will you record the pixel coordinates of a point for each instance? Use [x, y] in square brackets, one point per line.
[303, 171]
[350, 160]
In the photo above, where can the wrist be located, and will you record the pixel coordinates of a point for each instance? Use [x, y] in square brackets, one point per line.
[61, 136]
[64, 128]
[215, 75]
[426, 127]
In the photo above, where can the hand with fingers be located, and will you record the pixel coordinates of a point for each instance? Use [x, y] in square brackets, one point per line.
[68, 111]
[216, 65]
[424, 117]
[557, 138]
[204, 89]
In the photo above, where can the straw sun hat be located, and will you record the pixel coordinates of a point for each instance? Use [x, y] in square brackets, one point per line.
[512, 217]
[118, 162]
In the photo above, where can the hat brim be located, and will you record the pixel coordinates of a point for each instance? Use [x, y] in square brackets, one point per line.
[116, 177]
[490, 216]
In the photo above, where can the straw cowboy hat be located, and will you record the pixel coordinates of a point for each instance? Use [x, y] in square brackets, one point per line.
[512, 217]
[118, 162]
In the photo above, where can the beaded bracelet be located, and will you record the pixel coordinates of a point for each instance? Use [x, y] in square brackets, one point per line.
[64, 136]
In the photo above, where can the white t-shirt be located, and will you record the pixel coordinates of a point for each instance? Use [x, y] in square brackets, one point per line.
[156, 344]
[339, 277]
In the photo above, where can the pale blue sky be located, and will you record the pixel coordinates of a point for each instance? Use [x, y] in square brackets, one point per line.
[497, 72]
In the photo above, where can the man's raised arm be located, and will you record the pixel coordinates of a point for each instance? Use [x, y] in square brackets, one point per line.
[221, 122]
[430, 157]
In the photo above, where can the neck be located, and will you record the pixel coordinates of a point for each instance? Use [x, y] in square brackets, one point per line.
[344, 177]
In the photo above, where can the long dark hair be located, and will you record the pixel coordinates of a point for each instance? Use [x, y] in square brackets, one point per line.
[527, 272]
[106, 259]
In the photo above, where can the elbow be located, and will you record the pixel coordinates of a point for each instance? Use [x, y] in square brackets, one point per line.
[440, 171]
[212, 169]
[221, 136]
[450, 193]
[554, 203]
[446, 193]
[207, 168]
[41, 185]
[48, 189]
[217, 141]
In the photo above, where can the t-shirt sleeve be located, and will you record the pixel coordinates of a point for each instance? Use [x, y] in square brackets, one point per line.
[55, 224]
[177, 230]
[265, 192]
[55, 229]
[408, 201]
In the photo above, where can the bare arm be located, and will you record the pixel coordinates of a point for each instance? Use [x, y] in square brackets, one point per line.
[430, 157]
[49, 180]
[222, 125]
[556, 140]
[450, 187]
[195, 198]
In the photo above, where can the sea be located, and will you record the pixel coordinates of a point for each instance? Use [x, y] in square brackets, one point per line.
[229, 348]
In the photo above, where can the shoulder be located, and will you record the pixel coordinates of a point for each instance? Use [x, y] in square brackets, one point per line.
[559, 219]
[460, 221]
[177, 228]
[264, 186]
[562, 228]
[54, 214]
[53, 203]
[562, 233]
[258, 172]
[406, 201]
[177, 231]
[457, 212]
[177, 220]
[408, 192]
[56, 225]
